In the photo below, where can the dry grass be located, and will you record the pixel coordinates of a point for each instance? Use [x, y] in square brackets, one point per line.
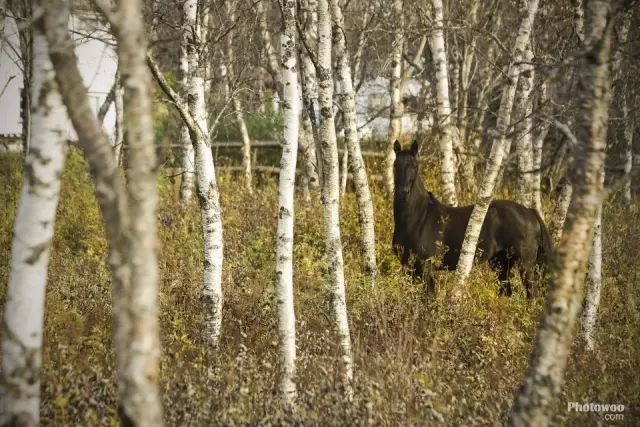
[418, 360]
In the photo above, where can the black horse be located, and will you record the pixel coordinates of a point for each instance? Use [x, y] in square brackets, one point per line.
[511, 233]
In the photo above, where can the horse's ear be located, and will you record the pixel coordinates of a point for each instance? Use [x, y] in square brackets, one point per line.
[397, 147]
[415, 148]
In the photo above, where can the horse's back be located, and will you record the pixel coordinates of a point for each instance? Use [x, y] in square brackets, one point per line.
[513, 227]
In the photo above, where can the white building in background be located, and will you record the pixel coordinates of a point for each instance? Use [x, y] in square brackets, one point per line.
[372, 107]
[97, 62]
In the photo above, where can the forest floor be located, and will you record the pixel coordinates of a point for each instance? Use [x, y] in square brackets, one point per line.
[418, 360]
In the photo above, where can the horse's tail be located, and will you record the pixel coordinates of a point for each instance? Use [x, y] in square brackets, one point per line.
[545, 247]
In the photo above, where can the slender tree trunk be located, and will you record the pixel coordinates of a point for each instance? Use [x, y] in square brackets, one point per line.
[348, 103]
[448, 131]
[594, 284]
[545, 375]
[286, 187]
[229, 73]
[344, 167]
[208, 194]
[272, 65]
[594, 274]
[309, 93]
[142, 402]
[538, 143]
[25, 294]
[494, 163]
[564, 191]
[24, 10]
[129, 214]
[118, 102]
[187, 159]
[629, 124]
[396, 109]
[331, 193]
[523, 129]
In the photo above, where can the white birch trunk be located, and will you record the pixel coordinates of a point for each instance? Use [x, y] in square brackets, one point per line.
[272, 64]
[344, 167]
[129, 213]
[347, 101]
[208, 194]
[141, 404]
[628, 151]
[538, 143]
[443, 110]
[494, 163]
[331, 193]
[545, 376]
[396, 109]
[524, 143]
[309, 94]
[25, 294]
[286, 188]
[563, 199]
[187, 159]
[228, 76]
[594, 284]
[118, 102]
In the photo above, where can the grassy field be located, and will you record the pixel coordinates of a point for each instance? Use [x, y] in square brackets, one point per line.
[418, 360]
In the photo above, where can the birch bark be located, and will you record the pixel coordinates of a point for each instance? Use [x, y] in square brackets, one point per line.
[331, 193]
[538, 143]
[443, 111]
[494, 163]
[25, 294]
[208, 195]
[396, 109]
[286, 187]
[594, 284]
[228, 77]
[594, 274]
[309, 93]
[118, 102]
[141, 402]
[545, 375]
[187, 160]
[524, 143]
[348, 103]
[129, 213]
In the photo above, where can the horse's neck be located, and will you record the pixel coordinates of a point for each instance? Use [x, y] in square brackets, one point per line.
[419, 204]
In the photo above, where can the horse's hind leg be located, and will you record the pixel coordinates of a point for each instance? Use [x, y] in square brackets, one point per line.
[501, 263]
[423, 270]
[526, 275]
[505, 282]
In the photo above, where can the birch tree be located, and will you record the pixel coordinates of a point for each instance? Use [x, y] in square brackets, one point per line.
[594, 273]
[545, 375]
[118, 102]
[308, 14]
[286, 187]
[538, 143]
[208, 194]
[331, 192]
[128, 212]
[22, 326]
[594, 282]
[448, 130]
[346, 97]
[187, 159]
[396, 108]
[494, 163]
[523, 138]
[228, 75]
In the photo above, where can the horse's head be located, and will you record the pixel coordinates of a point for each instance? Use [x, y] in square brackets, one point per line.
[405, 170]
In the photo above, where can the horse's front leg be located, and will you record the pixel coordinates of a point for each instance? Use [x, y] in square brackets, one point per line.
[424, 270]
